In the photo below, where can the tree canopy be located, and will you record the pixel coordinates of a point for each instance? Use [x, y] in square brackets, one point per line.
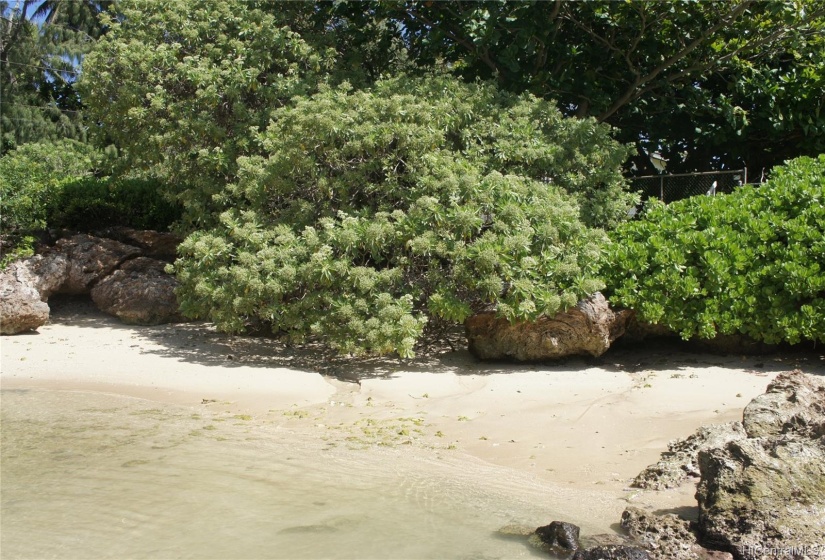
[38, 68]
[359, 170]
[182, 87]
[717, 84]
[708, 84]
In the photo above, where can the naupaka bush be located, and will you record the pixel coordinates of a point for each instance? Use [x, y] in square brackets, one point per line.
[751, 262]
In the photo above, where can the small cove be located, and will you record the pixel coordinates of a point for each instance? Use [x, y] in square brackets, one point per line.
[90, 475]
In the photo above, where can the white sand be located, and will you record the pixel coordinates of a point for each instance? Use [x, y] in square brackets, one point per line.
[587, 428]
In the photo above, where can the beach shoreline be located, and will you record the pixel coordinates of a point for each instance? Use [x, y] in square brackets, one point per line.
[582, 425]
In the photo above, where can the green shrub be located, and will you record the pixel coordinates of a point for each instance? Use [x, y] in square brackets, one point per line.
[90, 202]
[28, 177]
[52, 185]
[379, 211]
[751, 262]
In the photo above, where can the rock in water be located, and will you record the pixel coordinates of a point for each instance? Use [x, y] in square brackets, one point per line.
[90, 260]
[139, 293]
[21, 308]
[559, 534]
[586, 329]
[767, 491]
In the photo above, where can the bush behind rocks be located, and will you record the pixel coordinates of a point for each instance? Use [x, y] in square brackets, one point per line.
[751, 262]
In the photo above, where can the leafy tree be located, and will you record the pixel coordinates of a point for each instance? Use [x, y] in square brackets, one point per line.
[711, 84]
[40, 65]
[750, 262]
[29, 172]
[373, 212]
[37, 100]
[181, 87]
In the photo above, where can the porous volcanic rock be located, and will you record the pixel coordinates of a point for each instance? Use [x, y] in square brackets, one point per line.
[139, 293]
[21, 308]
[90, 260]
[586, 329]
[680, 461]
[666, 537]
[49, 271]
[767, 491]
[612, 552]
[794, 403]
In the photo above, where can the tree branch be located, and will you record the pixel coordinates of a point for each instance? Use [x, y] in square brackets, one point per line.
[482, 56]
[631, 92]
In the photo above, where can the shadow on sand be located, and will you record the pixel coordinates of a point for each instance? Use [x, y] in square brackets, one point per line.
[200, 343]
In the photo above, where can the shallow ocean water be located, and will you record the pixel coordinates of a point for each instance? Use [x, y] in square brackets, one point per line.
[89, 475]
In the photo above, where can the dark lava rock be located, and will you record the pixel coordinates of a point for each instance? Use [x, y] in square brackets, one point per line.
[559, 534]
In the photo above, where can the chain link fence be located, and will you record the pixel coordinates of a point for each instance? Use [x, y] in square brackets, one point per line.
[669, 188]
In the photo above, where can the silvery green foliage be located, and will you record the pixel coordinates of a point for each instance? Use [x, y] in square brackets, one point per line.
[420, 200]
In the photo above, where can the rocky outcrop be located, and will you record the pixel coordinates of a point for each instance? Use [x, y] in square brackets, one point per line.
[680, 461]
[762, 481]
[48, 272]
[90, 260]
[794, 404]
[139, 293]
[21, 308]
[767, 491]
[612, 552]
[121, 280]
[586, 329]
[155, 244]
[666, 537]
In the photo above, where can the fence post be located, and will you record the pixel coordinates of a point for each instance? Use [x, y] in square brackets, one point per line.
[661, 187]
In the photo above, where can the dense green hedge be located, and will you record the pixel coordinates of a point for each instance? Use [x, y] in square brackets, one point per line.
[52, 185]
[751, 262]
[91, 202]
[29, 176]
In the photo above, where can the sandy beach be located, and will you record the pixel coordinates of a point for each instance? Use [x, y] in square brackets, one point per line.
[585, 427]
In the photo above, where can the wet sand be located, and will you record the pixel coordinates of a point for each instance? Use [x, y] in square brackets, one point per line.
[586, 427]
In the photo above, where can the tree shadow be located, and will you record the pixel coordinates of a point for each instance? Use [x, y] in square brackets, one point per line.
[201, 343]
